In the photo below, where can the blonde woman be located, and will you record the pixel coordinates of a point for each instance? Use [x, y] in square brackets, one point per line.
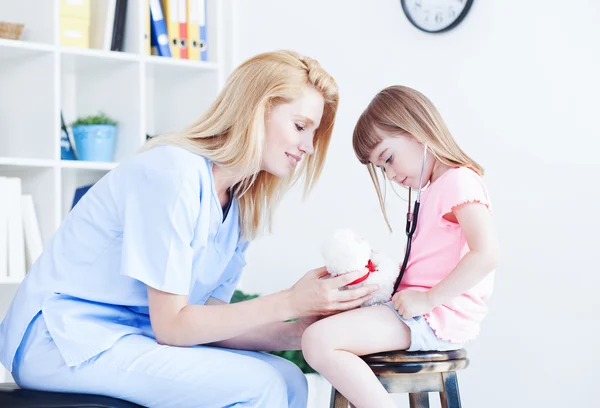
[130, 297]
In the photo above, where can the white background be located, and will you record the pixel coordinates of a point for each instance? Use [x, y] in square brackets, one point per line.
[518, 85]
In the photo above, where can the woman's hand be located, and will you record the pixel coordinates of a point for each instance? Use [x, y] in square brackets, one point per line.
[313, 296]
[411, 303]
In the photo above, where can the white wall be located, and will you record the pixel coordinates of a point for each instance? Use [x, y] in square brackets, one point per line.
[519, 87]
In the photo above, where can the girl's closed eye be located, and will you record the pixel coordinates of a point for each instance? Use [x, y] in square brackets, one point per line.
[389, 160]
[299, 128]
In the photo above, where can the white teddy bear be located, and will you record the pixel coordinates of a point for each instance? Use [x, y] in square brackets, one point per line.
[346, 252]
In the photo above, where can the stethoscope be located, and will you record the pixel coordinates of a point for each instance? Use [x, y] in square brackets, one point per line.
[411, 222]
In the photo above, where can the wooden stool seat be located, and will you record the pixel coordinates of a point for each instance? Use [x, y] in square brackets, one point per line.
[415, 357]
[416, 373]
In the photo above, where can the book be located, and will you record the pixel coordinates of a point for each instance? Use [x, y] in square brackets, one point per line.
[3, 229]
[31, 231]
[16, 243]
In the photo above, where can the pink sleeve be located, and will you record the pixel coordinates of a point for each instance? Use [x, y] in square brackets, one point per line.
[463, 186]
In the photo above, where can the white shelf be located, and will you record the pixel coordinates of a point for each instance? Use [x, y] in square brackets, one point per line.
[87, 165]
[156, 62]
[39, 79]
[76, 59]
[16, 162]
[26, 162]
[15, 48]
[10, 281]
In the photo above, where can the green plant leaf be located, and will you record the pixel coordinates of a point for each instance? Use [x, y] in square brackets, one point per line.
[100, 119]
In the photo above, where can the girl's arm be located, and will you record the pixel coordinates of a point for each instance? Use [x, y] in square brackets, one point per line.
[476, 223]
[257, 322]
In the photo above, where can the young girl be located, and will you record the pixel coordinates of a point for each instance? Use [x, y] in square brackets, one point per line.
[441, 299]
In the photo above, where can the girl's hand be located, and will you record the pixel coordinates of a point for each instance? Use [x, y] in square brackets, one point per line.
[314, 296]
[411, 303]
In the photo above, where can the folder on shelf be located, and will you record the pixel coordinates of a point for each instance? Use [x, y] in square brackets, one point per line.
[80, 192]
[193, 29]
[74, 32]
[118, 33]
[67, 144]
[147, 47]
[203, 33]
[101, 23]
[3, 229]
[31, 231]
[75, 9]
[75, 23]
[16, 242]
[170, 9]
[183, 30]
[158, 30]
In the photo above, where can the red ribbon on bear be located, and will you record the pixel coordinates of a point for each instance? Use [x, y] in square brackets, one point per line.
[371, 268]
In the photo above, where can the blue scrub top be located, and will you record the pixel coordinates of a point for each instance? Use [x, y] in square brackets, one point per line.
[154, 220]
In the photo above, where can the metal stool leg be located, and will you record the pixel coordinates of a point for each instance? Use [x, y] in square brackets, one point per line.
[419, 399]
[450, 397]
[337, 399]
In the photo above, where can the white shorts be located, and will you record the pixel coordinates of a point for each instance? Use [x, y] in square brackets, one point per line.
[422, 336]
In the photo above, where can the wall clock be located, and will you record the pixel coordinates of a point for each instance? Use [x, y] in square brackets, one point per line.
[436, 16]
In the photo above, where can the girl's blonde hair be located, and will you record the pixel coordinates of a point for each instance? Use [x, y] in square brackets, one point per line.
[231, 132]
[401, 110]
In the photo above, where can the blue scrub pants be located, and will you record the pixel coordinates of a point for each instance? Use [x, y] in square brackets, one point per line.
[138, 369]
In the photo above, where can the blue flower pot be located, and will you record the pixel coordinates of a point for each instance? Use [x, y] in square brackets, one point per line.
[95, 142]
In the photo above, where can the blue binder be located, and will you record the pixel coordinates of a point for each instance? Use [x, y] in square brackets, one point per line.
[158, 29]
[203, 38]
[79, 192]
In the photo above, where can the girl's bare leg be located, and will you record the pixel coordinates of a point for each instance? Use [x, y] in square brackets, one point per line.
[332, 346]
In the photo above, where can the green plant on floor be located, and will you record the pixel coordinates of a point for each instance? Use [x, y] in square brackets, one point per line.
[295, 356]
[100, 119]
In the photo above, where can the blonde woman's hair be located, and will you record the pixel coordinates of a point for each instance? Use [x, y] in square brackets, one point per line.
[401, 110]
[231, 132]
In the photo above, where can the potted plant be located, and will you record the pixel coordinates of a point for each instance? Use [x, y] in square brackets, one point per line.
[318, 388]
[94, 137]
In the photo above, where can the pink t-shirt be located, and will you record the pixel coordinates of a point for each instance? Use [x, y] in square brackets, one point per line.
[438, 245]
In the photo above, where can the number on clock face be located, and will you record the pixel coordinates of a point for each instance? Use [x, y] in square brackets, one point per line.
[435, 16]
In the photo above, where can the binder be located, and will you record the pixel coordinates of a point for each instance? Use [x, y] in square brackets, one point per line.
[118, 33]
[147, 46]
[75, 9]
[183, 31]
[67, 146]
[79, 193]
[102, 23]
[3, 229]
[170, 8]
[193, 21]
[74, 32]
[31, 231]
[203, 33]
[158, 30]
[75, 23]
[16, 241]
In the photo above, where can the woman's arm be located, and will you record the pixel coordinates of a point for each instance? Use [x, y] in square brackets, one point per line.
[271, 337]
[476, 223]
[177, 323]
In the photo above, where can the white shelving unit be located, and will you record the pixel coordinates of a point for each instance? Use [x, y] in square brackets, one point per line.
[145, 94]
